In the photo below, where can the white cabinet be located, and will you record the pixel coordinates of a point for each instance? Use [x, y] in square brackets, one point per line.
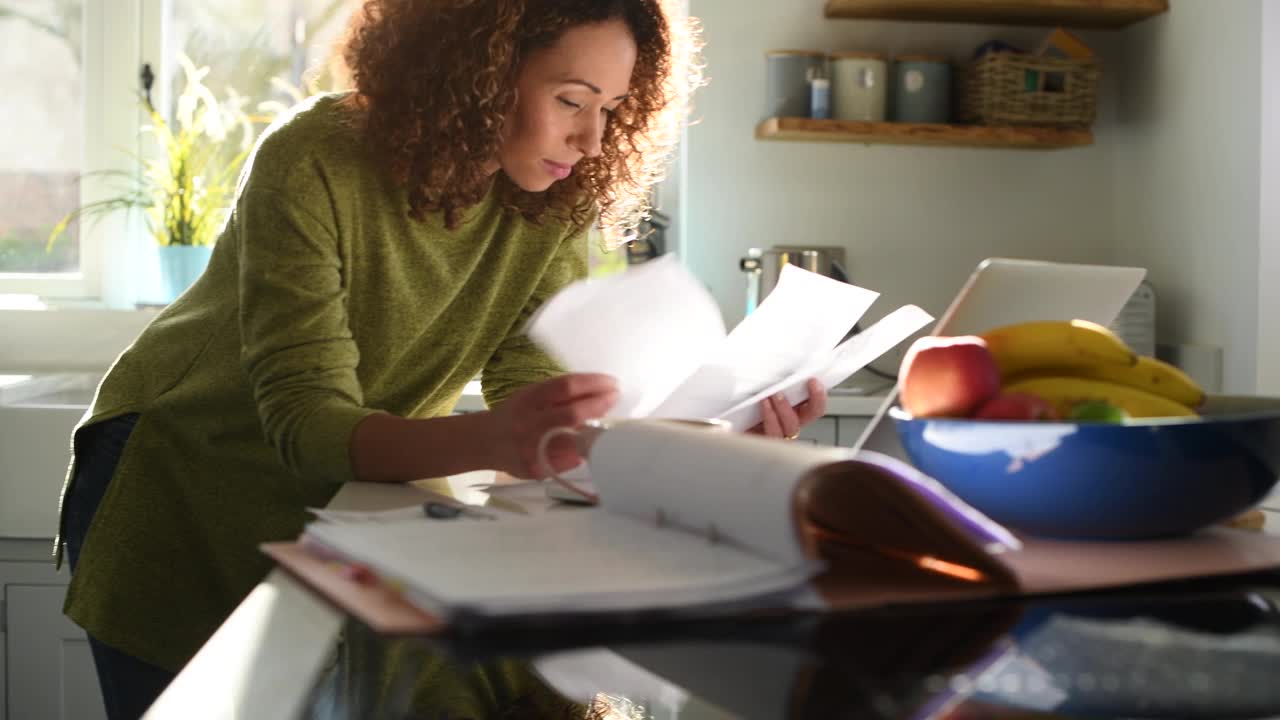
[52, 673]
[35, 444]
[46, 668]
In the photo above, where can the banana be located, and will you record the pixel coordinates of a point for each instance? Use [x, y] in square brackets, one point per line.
[1065, 391]
[1056, 344]
[1148, 373]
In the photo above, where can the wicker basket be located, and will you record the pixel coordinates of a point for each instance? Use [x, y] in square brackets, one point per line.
[1005, 88]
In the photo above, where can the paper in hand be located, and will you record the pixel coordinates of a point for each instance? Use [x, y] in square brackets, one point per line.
[649, 327]
[835, 366]
[805, 313]
[659, 332]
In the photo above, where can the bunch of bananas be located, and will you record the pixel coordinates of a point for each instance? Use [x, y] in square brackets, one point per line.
[1072, 363]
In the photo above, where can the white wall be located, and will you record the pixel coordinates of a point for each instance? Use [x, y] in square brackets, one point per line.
[914, 221]
[1187, 131]
[1269, 244]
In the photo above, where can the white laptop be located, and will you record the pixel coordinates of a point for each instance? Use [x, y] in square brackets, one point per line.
[1003, 291]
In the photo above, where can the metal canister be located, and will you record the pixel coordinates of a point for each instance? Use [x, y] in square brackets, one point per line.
[788, 74]
[859, 86]
[764, 266]
[921, 89]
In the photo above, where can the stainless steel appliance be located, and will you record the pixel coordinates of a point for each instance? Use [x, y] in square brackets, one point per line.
[763, 266]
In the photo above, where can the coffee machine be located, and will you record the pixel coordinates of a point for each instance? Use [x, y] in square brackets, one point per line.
[763, 267]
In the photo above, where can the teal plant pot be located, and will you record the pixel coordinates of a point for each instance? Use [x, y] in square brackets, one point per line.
[180, 265]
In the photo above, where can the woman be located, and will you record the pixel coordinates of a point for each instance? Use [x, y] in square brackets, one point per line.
[385, 247]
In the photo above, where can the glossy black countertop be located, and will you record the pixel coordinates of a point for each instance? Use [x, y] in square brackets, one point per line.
[1197, 649]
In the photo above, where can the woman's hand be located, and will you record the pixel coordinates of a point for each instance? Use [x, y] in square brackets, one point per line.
[779, 419]
[517, 425]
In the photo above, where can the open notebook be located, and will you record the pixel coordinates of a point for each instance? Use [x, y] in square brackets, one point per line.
[704, 524]
[685, 520]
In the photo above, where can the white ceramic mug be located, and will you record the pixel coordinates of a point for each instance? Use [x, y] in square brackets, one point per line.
[584, 437]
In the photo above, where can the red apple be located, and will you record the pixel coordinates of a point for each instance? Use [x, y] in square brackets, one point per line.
[1017, 406]
[948, 376]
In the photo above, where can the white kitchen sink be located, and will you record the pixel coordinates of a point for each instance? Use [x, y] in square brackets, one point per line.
[37, 413]
[56, 390]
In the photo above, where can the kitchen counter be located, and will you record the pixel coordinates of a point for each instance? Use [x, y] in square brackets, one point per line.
[277, 656]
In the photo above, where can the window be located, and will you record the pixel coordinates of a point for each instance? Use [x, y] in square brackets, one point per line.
[72, 70]
[41, 58]
[265, 51]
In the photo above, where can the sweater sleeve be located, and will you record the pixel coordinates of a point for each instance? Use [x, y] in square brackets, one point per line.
[518, 361]
[296, 343]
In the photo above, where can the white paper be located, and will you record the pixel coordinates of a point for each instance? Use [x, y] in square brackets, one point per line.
[805, 313]
[650, 327]
[400, 514]
[659, 332]
[804, 309]
[582, 560]
[533, 497]
[371, 516]
[834, 367]
[709, 483]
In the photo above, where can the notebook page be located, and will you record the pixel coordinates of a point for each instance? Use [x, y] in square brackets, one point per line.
[699, 479]
[582, 560]
[805, 314]
[649, 327]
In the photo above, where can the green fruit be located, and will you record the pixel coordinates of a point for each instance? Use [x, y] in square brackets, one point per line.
[1097, 411]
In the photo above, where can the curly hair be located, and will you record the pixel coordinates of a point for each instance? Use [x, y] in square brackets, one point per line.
[435, 79]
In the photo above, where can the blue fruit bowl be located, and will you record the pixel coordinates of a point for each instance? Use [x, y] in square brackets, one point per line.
[1145, 479]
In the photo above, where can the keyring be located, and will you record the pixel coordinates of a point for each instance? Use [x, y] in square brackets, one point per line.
[592, 429]
[543, 443]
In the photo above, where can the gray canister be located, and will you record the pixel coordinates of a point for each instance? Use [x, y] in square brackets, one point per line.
[787, 81]
[859, 86]
[921, 89]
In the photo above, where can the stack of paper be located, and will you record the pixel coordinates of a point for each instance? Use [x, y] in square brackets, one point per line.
[659, 332]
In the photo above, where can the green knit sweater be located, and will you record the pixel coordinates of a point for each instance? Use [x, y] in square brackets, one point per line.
[322, 303]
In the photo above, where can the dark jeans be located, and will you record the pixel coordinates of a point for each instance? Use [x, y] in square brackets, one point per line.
[129, 685]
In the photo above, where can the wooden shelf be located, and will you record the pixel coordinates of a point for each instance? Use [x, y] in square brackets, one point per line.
[1067, 13]
[1025, 138]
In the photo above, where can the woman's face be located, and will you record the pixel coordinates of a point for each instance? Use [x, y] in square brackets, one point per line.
[565, 93]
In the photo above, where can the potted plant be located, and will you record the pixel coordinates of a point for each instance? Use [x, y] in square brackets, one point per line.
[186, 191]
